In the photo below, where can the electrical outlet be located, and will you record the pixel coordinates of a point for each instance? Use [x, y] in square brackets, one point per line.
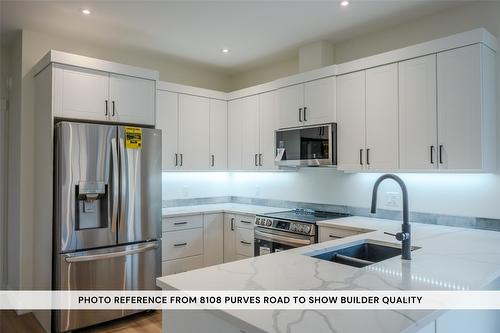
[392, 199]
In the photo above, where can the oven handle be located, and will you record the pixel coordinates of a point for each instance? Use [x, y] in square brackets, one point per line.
[282, 239]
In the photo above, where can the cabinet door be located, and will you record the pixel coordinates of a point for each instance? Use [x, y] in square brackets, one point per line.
[291, 99]
[132, 99]
[194, 117]
[81, 93]
[351, 121]
[459, 108]
[417, 114]
[234, 134]
[382, 139]
[167, 121]
[250, 141]
[218, 135]
[268, 123]
[319, 101]
[229, 238]
[213, 239]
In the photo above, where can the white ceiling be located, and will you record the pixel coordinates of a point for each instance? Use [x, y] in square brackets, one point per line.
[256, 32]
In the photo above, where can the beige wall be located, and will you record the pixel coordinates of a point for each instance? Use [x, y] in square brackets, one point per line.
[171, 69]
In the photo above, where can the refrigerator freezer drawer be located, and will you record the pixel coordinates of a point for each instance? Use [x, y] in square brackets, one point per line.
[131, 267]
[182, 243]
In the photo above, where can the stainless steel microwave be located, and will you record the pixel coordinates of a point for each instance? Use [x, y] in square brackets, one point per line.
[307, 146]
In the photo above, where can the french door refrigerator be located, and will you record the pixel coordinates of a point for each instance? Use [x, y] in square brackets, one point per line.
[107, 214]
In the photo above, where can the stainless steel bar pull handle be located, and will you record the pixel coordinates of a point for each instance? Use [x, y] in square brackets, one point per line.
[247, 222]
[440, 154]
[180, 244]
[113, 108]
[260, 159]
[361, 157]
[368, 156]
[181, 159]
[106, 108]
[300, 114]
[176, 159]
[255, 160]
[93, 257]
[335, 236]
[180, 223]
[213, 160]
[232, 224]
[432, 154]
[246, 243]
[115, 186]
[305, 114]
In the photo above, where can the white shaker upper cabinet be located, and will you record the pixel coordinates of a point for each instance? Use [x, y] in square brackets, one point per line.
[81, 93]
[418, 114]
[132, 99]
[167, 120]
[291, 105]
[250, 141]
[269, 122]
[319, 101]
[466, 109]
[194, 120]
[382, 140]
[351, 121]
[218, 135]
[234, 134]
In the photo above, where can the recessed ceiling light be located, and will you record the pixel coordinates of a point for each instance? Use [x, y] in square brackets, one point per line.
[225, 50]
[86, 11]
[344, 3]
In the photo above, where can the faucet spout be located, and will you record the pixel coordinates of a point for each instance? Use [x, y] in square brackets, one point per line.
[405, 233]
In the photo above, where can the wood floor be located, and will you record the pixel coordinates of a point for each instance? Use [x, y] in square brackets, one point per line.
[143, 322]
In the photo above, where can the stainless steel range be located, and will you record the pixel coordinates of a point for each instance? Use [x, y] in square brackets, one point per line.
[285, 230]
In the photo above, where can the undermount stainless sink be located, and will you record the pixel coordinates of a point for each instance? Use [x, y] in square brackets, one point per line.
[361, 254]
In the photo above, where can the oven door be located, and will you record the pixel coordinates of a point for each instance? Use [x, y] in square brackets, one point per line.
[270, 241]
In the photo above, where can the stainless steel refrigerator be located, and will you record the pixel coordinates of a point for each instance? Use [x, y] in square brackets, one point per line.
[107, 213]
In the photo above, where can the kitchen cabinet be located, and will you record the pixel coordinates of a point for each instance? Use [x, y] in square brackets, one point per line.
[328, 233]
[251, 125]
[194, 118]
[382, 135]
[238, 237]
[418, 114]
[368, 119]
[194, 132]
[132, 99]
[351, 101]
[101, 96]
[218, 135]
[167, 120]
[213, 239]
[308, 103]
[466, 100]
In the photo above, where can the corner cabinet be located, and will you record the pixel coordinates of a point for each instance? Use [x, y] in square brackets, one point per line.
[101, 96]
[194, 132]
[308, 103]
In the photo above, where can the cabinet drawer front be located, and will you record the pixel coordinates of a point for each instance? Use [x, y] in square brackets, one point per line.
[182, 222]
[182, 243]
[244, 242]
[245, 221]
[181, 265]
[327, 234]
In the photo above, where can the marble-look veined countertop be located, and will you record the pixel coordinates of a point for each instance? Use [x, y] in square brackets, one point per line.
[231, 208]
[449, 258]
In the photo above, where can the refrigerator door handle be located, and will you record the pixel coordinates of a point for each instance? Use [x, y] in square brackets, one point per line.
[115, 186]
[93, 257]
[123, 180]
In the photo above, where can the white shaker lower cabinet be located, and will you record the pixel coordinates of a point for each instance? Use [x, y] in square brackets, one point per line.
[213, 239]
[167, 120]
[132, 99]
[218, 135]
[382, 136]
[418, 114]
[466, 104]
[238, 237]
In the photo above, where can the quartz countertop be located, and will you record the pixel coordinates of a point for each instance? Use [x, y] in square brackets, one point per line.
[232, 208]
[449, 259]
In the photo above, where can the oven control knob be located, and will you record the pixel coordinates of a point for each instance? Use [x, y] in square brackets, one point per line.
[291, 227]
[307, 228]
[257, 221]
[269, 222]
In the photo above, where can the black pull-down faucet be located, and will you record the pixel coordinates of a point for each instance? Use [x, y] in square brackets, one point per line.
[405, 235]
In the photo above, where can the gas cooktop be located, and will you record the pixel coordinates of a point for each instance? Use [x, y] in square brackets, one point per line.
[304, 215]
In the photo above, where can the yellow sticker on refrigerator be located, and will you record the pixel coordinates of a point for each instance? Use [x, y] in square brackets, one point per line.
[133, 137]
